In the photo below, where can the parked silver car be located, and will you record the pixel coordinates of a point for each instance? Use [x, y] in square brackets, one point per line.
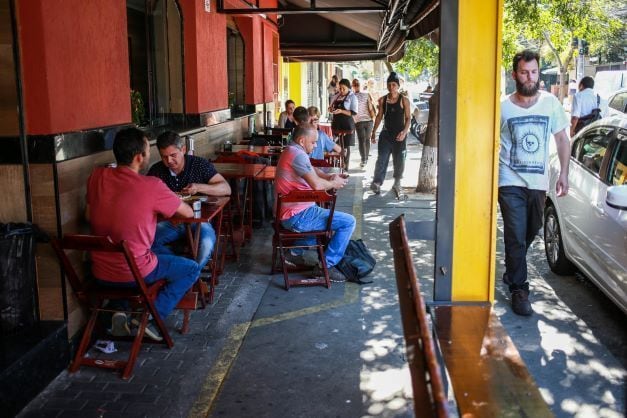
[420, 118]
[587, 229]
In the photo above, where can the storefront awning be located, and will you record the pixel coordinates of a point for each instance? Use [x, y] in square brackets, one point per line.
[346, 30]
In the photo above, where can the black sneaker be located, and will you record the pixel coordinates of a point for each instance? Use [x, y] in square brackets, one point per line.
[119, 325]
[376, 188]
[151, 331]
[520, 302]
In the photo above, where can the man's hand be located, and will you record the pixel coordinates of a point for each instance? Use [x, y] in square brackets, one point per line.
[401, 136]
[561, 187]
[373, 139]
[191, 189]
[338, 181]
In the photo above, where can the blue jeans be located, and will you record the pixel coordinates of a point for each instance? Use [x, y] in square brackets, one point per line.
[522, 210]
[388, 145]
[168, 233]
[315, 218]
[180, 273]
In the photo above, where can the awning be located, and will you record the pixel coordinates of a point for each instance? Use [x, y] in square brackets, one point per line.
[348, 30]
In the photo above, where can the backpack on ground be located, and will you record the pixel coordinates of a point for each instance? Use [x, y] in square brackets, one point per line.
[357, 262]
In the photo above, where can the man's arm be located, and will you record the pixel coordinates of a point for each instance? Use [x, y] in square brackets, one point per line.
[184, 211]
[573, 125]
[377, 120]
[563, 152]
[407, 116]
[318, 183]
[217, 186]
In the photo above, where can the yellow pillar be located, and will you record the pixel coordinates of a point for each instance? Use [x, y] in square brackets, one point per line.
[476, 150]
[295, 82]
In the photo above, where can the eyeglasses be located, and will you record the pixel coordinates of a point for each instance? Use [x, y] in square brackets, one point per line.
[314, 120]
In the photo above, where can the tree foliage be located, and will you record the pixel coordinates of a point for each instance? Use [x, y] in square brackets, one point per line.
[551, 25]
[421, 59]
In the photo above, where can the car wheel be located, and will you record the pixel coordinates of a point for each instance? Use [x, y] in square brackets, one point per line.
[553, 245]
[414, 128]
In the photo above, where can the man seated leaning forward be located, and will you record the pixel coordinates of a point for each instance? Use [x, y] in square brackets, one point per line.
[186, 174]
[295, 172]
[124, 204]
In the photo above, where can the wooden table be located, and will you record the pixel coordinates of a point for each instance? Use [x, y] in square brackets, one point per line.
[210, 210]
[267, 173]
[263, 151]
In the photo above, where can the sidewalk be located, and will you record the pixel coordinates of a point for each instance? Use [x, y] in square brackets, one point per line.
[260, 351]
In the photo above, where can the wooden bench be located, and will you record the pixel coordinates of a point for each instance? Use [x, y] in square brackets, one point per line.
[486, 374]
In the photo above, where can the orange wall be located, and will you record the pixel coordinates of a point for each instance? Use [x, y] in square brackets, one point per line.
[75, 71]
[258, 55]
[206, 85]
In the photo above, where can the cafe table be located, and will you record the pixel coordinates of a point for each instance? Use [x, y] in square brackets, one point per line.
[261, 150]
[211, 209]
[239, 171]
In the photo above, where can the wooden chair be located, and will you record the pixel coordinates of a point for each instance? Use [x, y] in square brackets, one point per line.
[320, 163]
[341, 139]
[94, 297]
[284, 239]
[428, 387]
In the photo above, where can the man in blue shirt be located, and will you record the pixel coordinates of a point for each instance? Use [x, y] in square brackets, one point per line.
[186, 174]
[324, 144]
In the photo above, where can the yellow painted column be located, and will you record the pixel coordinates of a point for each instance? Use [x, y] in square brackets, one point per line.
[476, 150]
[295, 82]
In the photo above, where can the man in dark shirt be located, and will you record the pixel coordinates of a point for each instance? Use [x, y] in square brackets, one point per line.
[186, 174]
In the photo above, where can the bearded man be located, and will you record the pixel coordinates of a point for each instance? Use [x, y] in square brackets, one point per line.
[529, 117]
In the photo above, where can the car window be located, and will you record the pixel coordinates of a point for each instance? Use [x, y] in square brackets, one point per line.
[618, 164]
[592, 148]
[619, 102]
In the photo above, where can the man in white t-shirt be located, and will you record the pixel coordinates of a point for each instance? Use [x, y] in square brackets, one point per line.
[529, 118]
[584, 102]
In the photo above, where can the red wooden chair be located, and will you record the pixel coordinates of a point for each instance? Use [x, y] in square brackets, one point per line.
[284, 239]
[320, 163]
[94, 297]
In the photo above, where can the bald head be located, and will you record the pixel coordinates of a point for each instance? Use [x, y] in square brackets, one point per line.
[306, 136]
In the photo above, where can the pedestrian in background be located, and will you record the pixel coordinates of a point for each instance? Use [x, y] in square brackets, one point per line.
[343, 108]
[529, 117]
[363, 121]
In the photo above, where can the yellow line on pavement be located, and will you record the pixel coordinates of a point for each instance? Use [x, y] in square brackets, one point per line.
[358, 199]
[218, 373]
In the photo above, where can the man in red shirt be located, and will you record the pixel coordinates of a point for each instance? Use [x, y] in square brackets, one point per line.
[124, 204]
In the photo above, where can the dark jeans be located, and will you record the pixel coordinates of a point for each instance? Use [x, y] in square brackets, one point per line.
[388, 145]
[364, 130]
[522, 210]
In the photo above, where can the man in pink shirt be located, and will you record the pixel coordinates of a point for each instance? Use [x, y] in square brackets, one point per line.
[124, 204]
[295, 172]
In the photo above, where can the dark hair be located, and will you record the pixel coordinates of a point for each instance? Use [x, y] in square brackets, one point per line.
[169, 138]
[346, 83]
[288, 102]
[526, 55]
[304, 129]
[587, 82]
[300, 115]
[127, 144]
[393, 78]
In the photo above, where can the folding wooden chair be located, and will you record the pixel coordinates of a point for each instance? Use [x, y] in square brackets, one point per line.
[94, 297]
[284, 239]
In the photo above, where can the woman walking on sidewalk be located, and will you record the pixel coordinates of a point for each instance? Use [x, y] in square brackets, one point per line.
[363, 121]
[344, 107]
[394, 109]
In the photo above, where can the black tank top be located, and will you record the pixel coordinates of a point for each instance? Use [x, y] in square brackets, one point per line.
[394, 121]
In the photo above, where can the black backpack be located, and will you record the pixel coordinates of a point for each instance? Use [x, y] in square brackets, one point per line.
[357, 262]
[593, 116]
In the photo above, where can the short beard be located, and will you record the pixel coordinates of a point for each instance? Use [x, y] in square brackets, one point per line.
[525, 91]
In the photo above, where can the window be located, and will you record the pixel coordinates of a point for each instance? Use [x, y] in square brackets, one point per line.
[155, 44]
[591, 148]
[619, 102]
[618, 164]
[235, 68]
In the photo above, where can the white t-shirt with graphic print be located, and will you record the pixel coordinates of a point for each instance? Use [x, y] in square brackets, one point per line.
[525, 135]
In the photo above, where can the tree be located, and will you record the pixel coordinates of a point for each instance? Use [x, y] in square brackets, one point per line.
[421, 58]
[555, 24]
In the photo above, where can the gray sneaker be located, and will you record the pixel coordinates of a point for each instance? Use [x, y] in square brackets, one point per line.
[376, 188]
[334, 274]
[119, 325]
[151, 330]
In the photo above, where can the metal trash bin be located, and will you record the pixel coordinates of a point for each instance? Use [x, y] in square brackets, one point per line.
[18, 294]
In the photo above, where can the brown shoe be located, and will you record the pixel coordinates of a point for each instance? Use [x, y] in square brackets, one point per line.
[520, 302]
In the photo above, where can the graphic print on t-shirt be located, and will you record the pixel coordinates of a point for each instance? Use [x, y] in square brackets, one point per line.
[529, 140]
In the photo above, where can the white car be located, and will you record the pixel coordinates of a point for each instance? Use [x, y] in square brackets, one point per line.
[617, 103]
[587, 228]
